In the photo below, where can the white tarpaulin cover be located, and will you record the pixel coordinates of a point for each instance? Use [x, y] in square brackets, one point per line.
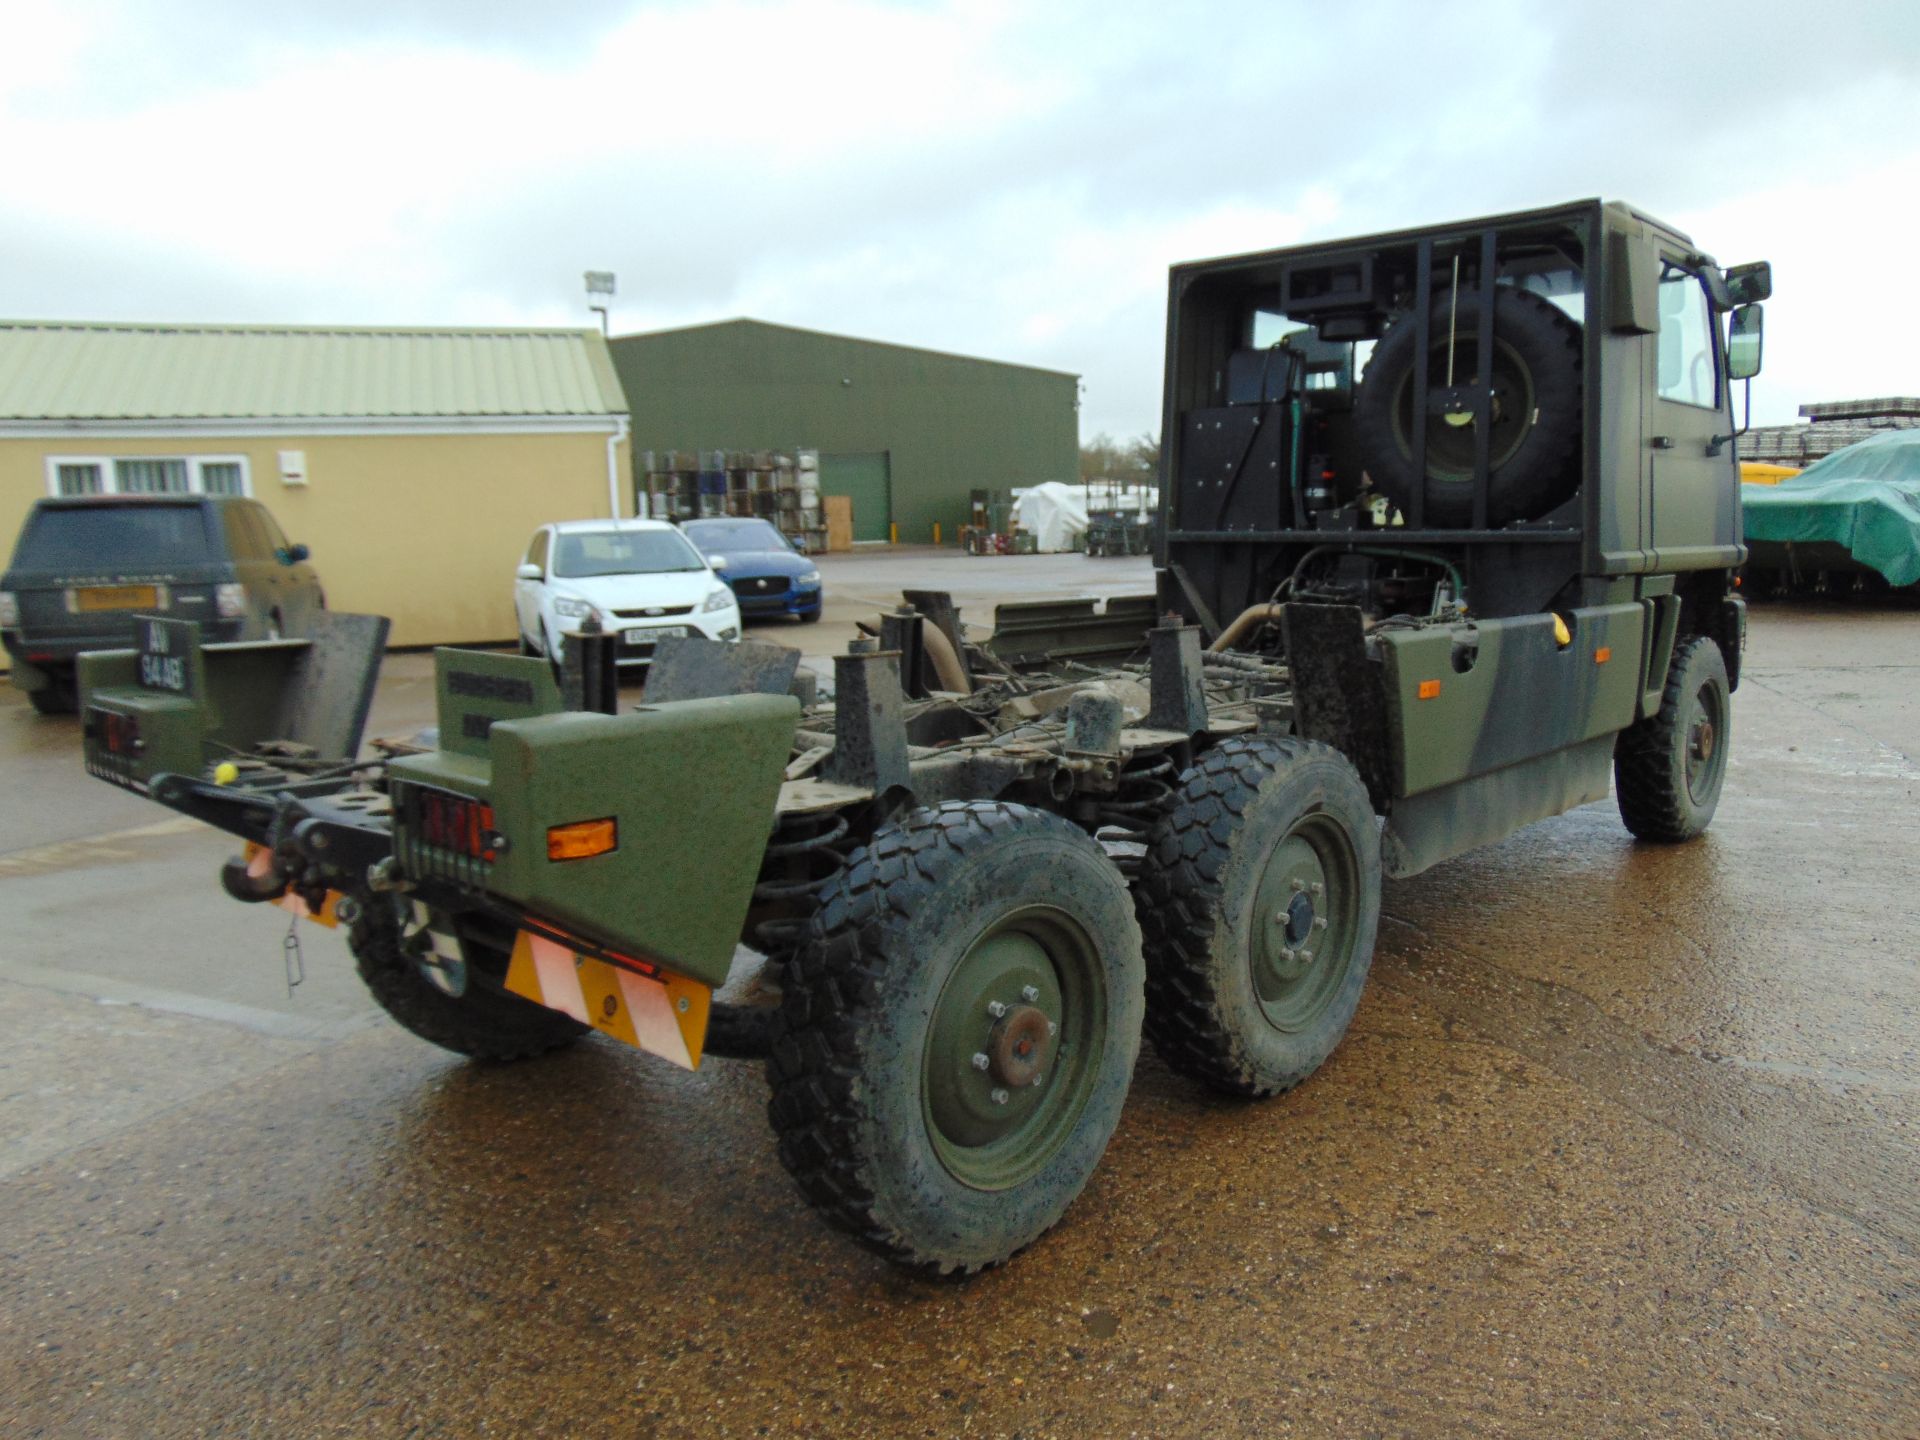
[1056, 514]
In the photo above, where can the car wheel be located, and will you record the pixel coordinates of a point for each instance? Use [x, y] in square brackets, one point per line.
[812, 617]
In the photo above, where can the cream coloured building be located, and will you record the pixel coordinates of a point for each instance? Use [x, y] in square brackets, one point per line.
[415, 463]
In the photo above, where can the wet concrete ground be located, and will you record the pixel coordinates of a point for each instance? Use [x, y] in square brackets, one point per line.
[1625, 1141]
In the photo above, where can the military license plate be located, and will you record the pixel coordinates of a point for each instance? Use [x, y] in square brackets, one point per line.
[116, 597]
[658, 632]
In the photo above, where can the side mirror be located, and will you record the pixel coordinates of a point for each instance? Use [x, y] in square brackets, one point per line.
[718, 562]
[1750, 284]
[292, 554]
[1744, 332]
[529, 571]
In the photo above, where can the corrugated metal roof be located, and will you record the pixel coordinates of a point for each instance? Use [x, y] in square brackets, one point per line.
[53, 370]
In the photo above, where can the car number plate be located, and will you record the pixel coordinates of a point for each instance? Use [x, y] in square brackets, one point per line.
[116, 597]
[658, 632]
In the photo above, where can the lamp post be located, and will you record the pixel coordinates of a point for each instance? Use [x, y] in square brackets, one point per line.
[600, 283]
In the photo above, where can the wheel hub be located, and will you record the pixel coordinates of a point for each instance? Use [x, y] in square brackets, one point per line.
[1020, 1049]
[1702, 743]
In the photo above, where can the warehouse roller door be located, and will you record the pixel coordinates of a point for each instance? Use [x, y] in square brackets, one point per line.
[866, 479]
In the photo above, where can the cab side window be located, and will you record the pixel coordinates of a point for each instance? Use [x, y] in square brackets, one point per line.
[1687, 371]
[537, 551]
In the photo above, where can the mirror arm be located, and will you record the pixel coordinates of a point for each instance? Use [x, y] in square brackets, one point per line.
[1714, 445]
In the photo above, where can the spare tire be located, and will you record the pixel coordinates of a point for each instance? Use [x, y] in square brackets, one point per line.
[1534, 441]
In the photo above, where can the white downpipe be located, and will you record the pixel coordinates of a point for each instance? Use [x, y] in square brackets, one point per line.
[613, 465]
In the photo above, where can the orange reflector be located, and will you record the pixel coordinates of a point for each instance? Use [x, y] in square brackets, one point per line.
[1603, 654]
[582, 840]
[1429, 689]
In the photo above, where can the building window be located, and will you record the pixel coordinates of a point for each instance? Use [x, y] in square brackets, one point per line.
[79, 477]
[147, 475]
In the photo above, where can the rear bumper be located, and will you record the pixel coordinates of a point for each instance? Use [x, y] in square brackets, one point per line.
[35, 655]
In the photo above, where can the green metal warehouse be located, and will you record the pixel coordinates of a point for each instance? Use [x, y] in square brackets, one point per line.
[908, 433]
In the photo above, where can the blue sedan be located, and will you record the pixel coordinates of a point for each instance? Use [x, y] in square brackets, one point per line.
[768, 576]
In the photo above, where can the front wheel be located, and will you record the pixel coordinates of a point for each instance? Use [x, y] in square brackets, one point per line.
[1260, 901]
[957, 1033]
[1668, 768]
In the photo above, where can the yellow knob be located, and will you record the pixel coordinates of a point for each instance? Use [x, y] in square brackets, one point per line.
[225, 773]
[1562, 636]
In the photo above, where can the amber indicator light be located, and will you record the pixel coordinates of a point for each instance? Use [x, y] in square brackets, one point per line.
[583, 839]
[1429, 689]
[1603, 654]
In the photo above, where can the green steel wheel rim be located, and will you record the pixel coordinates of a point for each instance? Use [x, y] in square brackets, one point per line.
[1306, 916]
[1013, 1048]
[1706, 733]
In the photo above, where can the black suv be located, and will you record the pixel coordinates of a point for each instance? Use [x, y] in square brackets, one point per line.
[83, 568]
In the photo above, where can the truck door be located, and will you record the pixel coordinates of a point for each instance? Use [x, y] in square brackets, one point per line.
[1691, 487]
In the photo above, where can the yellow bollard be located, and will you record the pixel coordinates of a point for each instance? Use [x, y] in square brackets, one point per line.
[893, 534]
[936, 532]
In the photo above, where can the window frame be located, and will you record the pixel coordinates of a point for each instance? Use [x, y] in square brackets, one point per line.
[110, 480]
[1715, 357]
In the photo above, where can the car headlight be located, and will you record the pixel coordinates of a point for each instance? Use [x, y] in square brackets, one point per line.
[809, 577]
[230, 600]
[9, 609]
[718, 600]
[575, 609]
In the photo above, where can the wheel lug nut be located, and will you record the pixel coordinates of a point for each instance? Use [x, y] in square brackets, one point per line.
[1029, 994]
[1318, 888]
[980, 1060]
[1052, 1028]
[1286, 956]
[996, 1008]
[1306, 957]
[1319, 922]
[999, 1097]
[1298, 884]
[1037, 1078]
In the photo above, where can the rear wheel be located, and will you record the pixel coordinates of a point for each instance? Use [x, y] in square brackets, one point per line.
[441, 1003]
[1259, 901]
[957, 1033]
[1668, 768]
[58, 697]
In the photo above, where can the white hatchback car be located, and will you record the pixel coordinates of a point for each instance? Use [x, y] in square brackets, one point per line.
[641, 578]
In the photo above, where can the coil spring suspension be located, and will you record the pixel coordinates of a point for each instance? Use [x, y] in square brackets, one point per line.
[803, 855]
[1123, 822]
[1145, 788]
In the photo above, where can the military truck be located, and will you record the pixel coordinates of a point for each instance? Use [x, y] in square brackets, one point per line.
[1447, 539]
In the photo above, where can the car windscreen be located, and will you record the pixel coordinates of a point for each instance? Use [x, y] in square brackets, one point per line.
[737, 535]
[103, 539]
[622, 552]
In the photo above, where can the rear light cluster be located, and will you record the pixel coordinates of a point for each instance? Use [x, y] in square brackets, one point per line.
[116, 734]
[9, 610]
[453, 822]
[230, 601]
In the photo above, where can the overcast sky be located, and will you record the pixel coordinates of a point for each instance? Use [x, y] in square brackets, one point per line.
[1007, 180]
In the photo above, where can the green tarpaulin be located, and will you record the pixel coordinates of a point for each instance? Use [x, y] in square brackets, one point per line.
[1865, 498]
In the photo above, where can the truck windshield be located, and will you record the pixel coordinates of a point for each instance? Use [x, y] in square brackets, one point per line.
[622, 552]
[727, 535]
[100, 539]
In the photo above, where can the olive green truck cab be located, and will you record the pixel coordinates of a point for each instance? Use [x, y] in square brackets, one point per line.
[1448, 529]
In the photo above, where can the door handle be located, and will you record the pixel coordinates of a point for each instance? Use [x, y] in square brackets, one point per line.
[1662, 442]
